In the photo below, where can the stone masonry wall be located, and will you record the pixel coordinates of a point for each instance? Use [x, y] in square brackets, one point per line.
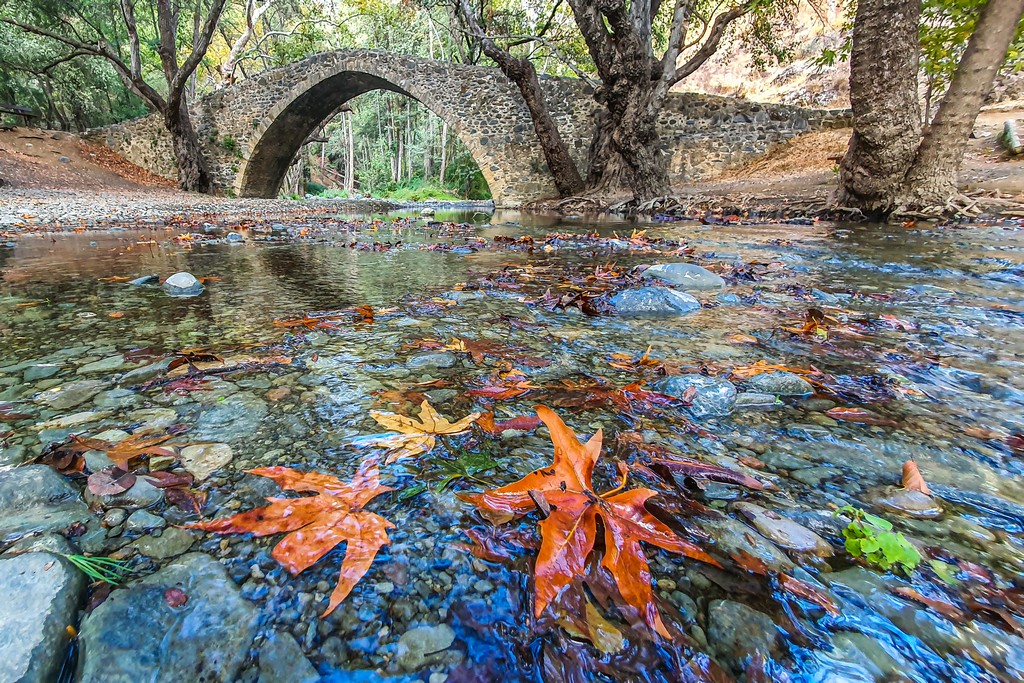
[252, 130]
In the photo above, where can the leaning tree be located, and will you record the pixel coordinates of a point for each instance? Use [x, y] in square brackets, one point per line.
[112, 32]
[520, 70]
[895, 163]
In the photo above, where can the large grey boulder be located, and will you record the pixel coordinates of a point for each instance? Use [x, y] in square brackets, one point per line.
[137, 635]
[183, 284]
[654, 301]
[685, 276]
[39, 597]
[714, 398]
[35, 498]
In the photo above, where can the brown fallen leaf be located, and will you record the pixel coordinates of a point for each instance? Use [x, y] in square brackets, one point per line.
[912, 479]
[175, 597]
[316, 524]
[860, 416]
[946, 609]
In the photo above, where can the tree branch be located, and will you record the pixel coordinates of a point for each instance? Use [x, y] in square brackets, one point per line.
[710, 46]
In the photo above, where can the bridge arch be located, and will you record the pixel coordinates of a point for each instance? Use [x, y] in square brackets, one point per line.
[481, 111]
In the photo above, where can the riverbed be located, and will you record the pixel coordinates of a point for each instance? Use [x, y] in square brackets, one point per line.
[822, 358]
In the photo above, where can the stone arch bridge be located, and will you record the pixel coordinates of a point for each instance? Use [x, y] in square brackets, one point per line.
[252, 130]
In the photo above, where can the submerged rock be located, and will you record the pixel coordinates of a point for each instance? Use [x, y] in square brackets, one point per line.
[786, 533]
[907, 502]
[654, 301]
[737, 632]
[755, 399]
[432, 360]
[780, 384]
[714, 398]
[35, 498]
[733, 538]
[68, 396]
[145, 280]
[235, 417]
[183, 284]
[281, 659]
[685, 275]
[201, 460]
[416, 645]
[170, 543]
[39, 596]
[135, 635]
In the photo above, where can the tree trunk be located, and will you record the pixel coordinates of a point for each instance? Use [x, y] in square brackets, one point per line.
[886, 112]
[932, 179]
[350, 162]
[520, 70]
[625, 152]
[193, 173]
[444, 153]
[556, 153]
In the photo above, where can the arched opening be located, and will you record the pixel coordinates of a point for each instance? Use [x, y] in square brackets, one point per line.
[385, 145]
[329, 102]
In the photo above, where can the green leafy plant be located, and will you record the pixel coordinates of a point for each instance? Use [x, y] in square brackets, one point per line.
[100, 568]
[871, 538]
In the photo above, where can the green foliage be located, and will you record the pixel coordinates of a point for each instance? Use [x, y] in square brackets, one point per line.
[313, 187]
[231, 146]
[870, 537]
[421, 191]
[945, 29]
[465, 465]
[333, 194]
[100, 568]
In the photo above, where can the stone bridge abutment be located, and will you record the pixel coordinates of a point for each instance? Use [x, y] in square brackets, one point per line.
[251, 131]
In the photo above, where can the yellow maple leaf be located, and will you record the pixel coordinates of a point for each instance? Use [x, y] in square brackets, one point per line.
[416, 434]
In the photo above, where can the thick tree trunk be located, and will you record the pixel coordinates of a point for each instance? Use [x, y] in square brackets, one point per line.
[932, 179]
[625, 151]
[193, 173]
[886, 112]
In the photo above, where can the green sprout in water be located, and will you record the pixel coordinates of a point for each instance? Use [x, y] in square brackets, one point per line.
[101, 568]
[466, 465]
[870, 537]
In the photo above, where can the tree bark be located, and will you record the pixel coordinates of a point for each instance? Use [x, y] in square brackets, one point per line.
[521, 71]
[193, 172]
[883, 93]
[626, 152]
[932, 178]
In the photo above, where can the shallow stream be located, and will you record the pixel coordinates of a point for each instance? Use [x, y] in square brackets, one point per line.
[921, 328]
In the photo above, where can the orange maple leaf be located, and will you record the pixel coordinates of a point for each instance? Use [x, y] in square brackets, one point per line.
[566, 492]
[316, 524]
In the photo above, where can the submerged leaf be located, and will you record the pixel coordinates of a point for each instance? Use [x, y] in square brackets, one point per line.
[416, 435]
[569, 532]
[316, 524]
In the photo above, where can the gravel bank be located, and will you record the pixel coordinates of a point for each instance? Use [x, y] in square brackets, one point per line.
[28, 210]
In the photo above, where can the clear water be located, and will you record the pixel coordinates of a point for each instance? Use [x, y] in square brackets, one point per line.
[948, 385]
